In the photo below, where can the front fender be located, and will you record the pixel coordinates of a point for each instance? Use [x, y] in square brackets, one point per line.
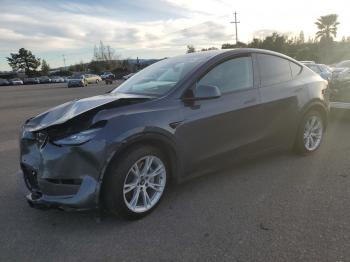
[138, 136]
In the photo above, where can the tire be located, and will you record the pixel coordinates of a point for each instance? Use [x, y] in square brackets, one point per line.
[121, 175]
[309, 140]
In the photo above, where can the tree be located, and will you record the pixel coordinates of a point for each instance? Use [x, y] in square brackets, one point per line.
[227, 46]
[327, 26]
[190, 49]
[45, 68]
[104, 53]
[208, 49]
[24, 60]
[275, 42]
[230, 46]
[256, 43]
[104, 59]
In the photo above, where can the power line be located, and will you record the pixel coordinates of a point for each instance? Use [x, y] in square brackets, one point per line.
[236, 26]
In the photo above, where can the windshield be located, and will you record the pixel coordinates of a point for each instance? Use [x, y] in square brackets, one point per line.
[160, 77]
[326, 68]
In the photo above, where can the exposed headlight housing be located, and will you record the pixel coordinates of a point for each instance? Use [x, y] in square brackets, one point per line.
[78, 138]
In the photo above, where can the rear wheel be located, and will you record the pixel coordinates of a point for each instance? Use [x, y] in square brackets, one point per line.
[310, 133]
[136, 183]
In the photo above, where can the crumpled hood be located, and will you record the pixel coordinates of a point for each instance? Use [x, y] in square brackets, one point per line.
[63, 113]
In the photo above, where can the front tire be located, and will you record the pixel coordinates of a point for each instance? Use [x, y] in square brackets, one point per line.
[310, 133]
[136, 183]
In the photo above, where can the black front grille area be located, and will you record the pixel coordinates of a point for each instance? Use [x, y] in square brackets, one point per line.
[64, 181]
[30, 177]
[41, 138]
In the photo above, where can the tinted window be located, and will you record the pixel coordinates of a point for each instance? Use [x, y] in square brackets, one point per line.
[160, 77]
[234, 74]
[314, 68]
[296, 69]
[273, 70]
[325, 68]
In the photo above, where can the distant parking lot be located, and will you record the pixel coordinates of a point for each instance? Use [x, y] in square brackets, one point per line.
[280, 207]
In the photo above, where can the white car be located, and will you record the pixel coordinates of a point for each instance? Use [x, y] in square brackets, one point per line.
[128, 76]
[106, 75]
[16, 82]
[344, 75]
[343, 64]
[57, 79]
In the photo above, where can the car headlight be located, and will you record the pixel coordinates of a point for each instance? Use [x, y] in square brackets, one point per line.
[78, 138]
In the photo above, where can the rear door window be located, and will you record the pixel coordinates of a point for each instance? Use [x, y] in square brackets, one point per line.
[232, 75]
[273, 70]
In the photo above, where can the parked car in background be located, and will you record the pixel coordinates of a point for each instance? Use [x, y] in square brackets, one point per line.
[202, 112]
[31, 81]
[77, 81]
[342, 64]
[336, 72]
[107, 75]
[340, 67]
[44, 80]
[16, 81]
[324, 71]
[109, 79]
[128, 76]
[4, 82]
[57, 79]
[92, 79]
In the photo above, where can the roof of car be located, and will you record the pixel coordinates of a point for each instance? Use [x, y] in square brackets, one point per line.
[212, 53]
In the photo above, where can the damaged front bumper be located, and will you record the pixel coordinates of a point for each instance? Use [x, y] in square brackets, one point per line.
[64, 177]
[83, 199]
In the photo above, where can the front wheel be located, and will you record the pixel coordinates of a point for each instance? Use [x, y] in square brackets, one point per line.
[136, 183]
[310, 133]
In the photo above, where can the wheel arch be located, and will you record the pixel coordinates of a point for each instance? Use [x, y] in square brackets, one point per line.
[161, 141]
[318, 106]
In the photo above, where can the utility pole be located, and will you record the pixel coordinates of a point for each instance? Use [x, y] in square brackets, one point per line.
[64, 61]
[236, 23]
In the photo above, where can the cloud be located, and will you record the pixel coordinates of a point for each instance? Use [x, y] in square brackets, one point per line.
[155, 28]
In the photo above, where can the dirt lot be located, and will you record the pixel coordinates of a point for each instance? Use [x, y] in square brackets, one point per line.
[280, 207]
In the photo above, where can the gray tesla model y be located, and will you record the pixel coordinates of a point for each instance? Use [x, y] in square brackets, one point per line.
[178, 118]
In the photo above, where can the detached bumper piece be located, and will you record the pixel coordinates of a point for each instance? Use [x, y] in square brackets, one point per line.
[77, 195]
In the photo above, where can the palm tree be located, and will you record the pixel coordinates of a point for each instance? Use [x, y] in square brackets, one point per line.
[327, 26]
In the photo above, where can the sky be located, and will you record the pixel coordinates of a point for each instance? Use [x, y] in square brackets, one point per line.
[150, 28]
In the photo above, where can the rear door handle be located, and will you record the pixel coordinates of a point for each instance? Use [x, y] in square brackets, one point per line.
[250, 101]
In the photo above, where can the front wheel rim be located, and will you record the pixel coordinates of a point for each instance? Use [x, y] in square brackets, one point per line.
[144, 184]
[313, 132]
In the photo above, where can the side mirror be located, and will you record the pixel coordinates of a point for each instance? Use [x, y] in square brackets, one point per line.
[204, 92]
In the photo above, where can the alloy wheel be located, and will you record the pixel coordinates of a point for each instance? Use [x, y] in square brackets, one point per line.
[144, 184]
[313, 132]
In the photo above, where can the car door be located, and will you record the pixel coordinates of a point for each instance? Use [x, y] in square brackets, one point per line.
[280, 93]
[214, 129]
